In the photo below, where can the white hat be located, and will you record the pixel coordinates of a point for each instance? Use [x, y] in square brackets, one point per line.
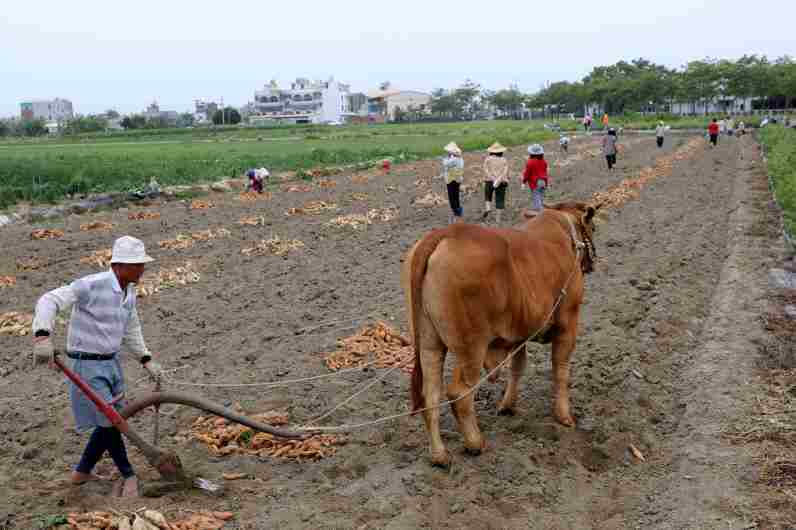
[453, 148]
[128, 249]
[535, 149]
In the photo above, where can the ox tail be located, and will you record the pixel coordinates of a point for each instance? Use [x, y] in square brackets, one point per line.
[417, 272]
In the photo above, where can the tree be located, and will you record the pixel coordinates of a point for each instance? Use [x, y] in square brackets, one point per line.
[509, 101]
[444, 104]
[185, 120]
[229, 116]
[111, 114]
[34, 128]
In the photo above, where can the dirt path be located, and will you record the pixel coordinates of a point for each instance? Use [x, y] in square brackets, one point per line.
[657, 349]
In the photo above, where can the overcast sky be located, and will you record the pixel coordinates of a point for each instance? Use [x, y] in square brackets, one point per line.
[121, 55]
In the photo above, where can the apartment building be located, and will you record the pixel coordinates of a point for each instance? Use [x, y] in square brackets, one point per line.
[304, 102]
[50, 110]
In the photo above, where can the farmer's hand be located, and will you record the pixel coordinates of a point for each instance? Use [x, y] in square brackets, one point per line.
[44, 351]
[154, 369]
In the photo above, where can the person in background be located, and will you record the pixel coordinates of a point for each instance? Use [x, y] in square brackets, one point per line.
[722, 126]
[660, 132]
[741, 128]
[256, 179]
[496, 180]
[453, 173]
[586, 122]
[730, 124]
[563, 142]
[605, 120]
[535, 176]
[103, 319]
[609, 148]
[713, 132]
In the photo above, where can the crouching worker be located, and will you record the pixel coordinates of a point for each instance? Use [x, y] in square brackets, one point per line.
[103, 319]
[256, 179]
[496, 180]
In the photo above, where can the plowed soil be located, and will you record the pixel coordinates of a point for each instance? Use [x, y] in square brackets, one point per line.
[657, 366]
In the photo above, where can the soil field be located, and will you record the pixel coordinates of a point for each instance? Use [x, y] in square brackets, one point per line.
[647, 325]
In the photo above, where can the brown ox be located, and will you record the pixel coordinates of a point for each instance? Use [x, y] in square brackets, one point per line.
[480, 293]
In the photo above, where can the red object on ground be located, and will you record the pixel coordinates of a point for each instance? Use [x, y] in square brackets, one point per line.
[386, 166]
[107, 410]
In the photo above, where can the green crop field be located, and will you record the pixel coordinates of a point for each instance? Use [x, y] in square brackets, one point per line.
[781, 147]
[48, 169]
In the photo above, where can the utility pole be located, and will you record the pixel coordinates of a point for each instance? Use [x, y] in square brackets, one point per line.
[222, 111]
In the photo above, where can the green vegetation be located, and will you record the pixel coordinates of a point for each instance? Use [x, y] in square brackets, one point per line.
[781, 147]
[49, 169]
[642, 85]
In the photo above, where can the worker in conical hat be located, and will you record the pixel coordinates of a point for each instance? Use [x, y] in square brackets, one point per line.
[496, 180]
[453, 173]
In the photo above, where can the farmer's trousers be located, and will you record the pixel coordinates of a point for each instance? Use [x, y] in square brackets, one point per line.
[453, 198]
[499, 192]
[537, 198]
[105, 439]
[106, 379]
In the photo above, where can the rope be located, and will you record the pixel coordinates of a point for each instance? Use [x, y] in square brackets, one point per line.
[355, 394]
[274, 383]
[352, 426]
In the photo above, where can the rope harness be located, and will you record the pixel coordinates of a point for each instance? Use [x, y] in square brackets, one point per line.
[579, 247]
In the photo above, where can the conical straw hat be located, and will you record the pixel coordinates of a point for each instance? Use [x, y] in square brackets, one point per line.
[453, 148]
[496, 148]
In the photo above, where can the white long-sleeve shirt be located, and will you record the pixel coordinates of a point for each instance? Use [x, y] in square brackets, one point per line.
[103, 320]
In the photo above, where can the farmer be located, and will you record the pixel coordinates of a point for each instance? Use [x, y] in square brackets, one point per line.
[103, 318]
[453, 173]
[713, 132]
[496, 180]
[256, 178]
[609, 148]
[563, 142]
[535, 176]
[605, 120]
[660, 132]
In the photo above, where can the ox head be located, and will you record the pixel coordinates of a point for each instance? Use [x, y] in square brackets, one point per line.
[584, 216]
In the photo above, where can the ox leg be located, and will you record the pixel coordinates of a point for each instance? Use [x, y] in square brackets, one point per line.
[432, 361]
[518, 363]
[465, 377]
[563, 344]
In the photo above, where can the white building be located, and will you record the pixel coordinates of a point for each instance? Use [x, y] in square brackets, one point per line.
[50, 110]
[204, 109]
[304, 102]
[382, 104]
[725, 105]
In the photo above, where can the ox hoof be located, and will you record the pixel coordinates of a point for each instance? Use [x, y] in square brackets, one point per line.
[566, 421]
[472, 452]
[442, 460]
[477, 450]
